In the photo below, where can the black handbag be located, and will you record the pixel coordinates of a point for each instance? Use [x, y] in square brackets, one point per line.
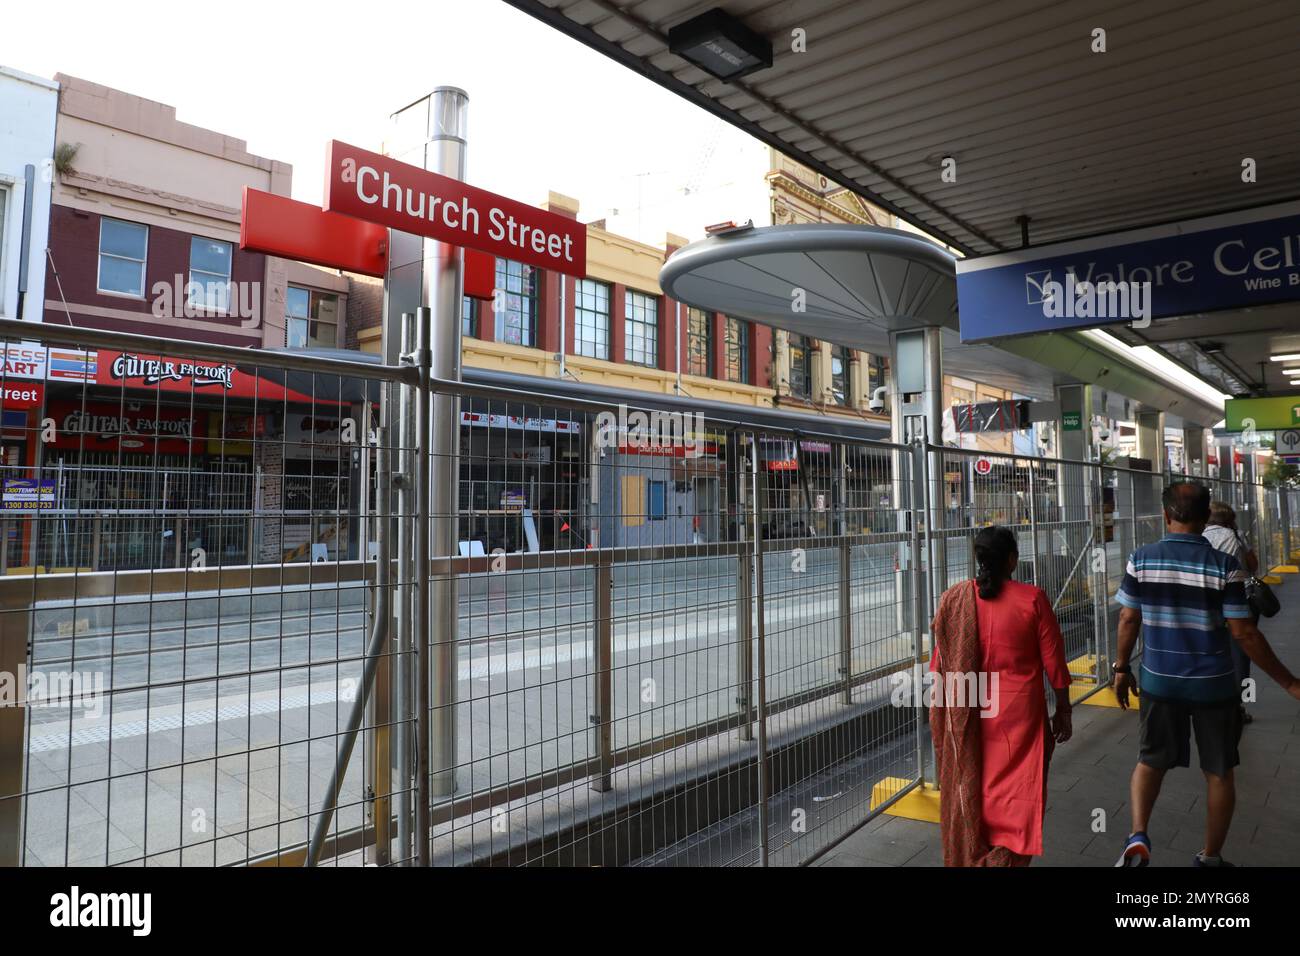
[1261, 598]
[1259, 595]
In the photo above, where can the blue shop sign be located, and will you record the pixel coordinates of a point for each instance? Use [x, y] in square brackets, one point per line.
[1232, 261]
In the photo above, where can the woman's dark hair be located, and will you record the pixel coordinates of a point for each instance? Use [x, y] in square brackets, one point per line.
[994, 547]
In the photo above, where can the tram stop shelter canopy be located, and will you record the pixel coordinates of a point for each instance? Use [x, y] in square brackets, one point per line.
[854, 285]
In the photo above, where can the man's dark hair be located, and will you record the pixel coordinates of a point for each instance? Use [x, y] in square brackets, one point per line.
[1187, 502]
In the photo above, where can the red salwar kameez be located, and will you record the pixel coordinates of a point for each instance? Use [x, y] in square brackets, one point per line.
[992, 761]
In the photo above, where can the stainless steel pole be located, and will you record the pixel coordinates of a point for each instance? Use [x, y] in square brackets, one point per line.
[919, 512]
[1033, 522]
[845, 553]
[374, 656]
[443, 291]
[744, 610]
[404, 485]
[764, 827]
[932, 406]
[1284, 518]
[602, 676]
[1100, 578]
[423, 477]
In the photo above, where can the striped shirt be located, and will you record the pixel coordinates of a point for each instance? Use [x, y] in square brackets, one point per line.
[1185, 589]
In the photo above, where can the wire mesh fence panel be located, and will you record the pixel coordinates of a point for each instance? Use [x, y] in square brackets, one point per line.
[1057, 511]
[190, 658]
[619, 718]
[843, 648]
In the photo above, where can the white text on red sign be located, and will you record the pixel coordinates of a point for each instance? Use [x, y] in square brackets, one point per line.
[379, 189]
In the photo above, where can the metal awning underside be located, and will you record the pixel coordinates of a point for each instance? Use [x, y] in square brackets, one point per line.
[1153, 130]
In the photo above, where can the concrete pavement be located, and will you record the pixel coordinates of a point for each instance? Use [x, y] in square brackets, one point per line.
[1092, 772]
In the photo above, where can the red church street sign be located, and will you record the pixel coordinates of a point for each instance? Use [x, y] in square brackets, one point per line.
[378, 189]
[280, 226]
[14, 395]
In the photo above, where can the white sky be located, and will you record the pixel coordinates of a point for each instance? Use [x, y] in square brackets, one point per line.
[545, 111]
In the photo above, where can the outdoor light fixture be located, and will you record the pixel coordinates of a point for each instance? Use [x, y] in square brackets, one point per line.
[720, 45]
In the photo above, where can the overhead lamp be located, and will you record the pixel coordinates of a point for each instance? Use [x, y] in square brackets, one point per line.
[720, 45]
[1288, 357]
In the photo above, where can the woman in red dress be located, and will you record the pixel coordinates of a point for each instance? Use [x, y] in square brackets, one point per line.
[999, 636]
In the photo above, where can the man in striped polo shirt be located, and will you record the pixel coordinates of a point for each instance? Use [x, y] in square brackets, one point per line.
[1187, 599]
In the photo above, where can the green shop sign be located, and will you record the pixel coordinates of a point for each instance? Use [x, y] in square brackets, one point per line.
[1071, 421]
[1264, 414]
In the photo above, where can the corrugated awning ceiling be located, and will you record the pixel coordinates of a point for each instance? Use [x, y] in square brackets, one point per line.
[1152, 130]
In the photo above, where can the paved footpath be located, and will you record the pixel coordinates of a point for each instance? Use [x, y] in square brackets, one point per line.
[1092, 771]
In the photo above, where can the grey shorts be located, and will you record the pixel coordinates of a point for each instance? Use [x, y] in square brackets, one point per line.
[1166, 726]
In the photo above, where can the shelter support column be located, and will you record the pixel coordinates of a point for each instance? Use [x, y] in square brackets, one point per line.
[1194, 450]
[1075, 441]
[1072, 554]
[1151, 440]
[1227, 469]
[916, 412]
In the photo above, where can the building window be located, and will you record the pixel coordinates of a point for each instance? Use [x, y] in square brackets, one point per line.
[875, 372]
[641, 329]
[841, 384]
[313, 320]
[800, 366]
[468, 317]
[209, 285]
[123, 248]
[657, 504]
[591, 319]
[515, 302]
[738, 334]
[699, 343]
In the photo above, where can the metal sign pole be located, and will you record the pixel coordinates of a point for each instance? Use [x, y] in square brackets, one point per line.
[443, 290]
